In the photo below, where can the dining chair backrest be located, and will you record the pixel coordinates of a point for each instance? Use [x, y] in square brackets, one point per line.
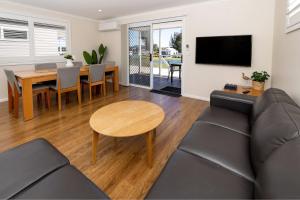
[45, 66]
[12, 81]
[110, 63]
[78, 64]
[97, 72]
[68, 77]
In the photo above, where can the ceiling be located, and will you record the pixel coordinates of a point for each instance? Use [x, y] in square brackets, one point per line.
[110, 8]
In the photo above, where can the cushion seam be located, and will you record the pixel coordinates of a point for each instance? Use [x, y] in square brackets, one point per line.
[218, 164]
[226, 127]
[246, 101]
[38, 179]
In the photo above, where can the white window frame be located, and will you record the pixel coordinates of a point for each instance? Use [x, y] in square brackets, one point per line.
[32, 59]
[292, 16]
[10, 28]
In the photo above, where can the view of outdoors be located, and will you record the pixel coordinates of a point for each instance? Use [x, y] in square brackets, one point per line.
[167, 48]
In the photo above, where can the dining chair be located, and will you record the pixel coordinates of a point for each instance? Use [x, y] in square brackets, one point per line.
[96, 77]
[172, 67]
[68, 80]
[109, 76]
[45, 66]
[15, 92]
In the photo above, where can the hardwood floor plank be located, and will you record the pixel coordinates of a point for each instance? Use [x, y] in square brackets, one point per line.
[121, 170]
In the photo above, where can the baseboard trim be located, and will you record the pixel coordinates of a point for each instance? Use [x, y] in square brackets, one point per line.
[196, 97]
[3, 100]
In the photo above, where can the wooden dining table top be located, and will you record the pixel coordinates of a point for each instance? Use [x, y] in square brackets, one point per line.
[25, 74]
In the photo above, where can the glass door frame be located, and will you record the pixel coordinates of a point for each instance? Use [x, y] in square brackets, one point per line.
[160, 46]
[136, 25]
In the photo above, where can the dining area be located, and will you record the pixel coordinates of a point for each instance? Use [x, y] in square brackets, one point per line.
[48, 79]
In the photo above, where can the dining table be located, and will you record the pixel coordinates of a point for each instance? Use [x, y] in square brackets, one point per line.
[29, 77]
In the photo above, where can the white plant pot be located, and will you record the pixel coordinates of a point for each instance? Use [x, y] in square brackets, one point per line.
[69, 63]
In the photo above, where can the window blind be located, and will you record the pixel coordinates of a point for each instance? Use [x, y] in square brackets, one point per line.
[293, 15]
[14, 40]
[49, 39]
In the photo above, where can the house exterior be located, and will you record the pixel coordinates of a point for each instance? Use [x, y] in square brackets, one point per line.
[169, 51]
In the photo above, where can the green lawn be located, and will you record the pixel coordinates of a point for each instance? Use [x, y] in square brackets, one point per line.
[156, 61]
[135, 59]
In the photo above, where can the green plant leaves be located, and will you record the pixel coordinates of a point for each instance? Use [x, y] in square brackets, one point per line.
[87, 57]
[260, 76]
[101, 51]
[94, 57]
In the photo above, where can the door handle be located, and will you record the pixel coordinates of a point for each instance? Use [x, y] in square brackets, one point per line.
[150, 57]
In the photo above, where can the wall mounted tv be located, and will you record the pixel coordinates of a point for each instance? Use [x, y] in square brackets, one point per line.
[224, 50]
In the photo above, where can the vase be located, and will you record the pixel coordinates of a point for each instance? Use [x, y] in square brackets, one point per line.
[69, 63]
[260, 86]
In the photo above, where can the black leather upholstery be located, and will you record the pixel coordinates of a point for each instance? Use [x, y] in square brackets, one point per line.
[64, 183]
[268, 98]
[220, 159]
[278, 125]
[236, 102]
[279, 175]
[229, 119]
[22, 166]
[38, 170]
[187, 176]
[211, 142]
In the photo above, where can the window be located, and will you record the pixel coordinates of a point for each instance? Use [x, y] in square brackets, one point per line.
[14, 38]
[49, 39]
[293, 15]
[25, 39]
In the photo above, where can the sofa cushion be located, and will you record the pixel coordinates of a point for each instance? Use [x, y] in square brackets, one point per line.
[278, 125]
[278, 177]
[268, 98]
[64, 183]
[212, 142]
[187, 176]
[26, 164]
[229, 119]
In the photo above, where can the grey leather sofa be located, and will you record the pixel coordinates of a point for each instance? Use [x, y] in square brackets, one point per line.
[36, 170]
[241, 147]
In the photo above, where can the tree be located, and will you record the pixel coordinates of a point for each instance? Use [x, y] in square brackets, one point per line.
[176, 42]
[155, 48]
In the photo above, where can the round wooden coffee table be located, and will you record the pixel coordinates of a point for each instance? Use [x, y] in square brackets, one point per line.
[127, 119]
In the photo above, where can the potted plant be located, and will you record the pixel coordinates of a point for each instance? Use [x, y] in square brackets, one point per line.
[92, 59]
[69, 58]
[259, 79]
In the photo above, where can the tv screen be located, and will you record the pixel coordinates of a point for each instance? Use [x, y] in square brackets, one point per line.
[224, 50]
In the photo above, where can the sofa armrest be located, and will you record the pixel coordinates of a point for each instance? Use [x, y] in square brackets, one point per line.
[236, 102]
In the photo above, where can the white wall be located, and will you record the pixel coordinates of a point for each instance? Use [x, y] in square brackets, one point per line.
[84, 34]
[286, 59]
[219, 17]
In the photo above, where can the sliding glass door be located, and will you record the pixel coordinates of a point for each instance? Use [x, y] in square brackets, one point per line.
[140, 55]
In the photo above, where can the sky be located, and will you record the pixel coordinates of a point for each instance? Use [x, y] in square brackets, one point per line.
[165, 36]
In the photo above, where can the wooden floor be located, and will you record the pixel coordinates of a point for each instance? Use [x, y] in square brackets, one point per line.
[121, 171]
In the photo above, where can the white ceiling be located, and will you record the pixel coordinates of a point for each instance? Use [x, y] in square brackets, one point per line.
[110, 8]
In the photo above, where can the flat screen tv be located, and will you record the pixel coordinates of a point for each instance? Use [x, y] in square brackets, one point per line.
[224, 50]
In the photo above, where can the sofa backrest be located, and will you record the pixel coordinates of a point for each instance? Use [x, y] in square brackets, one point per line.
[278, 177]
[268, 98]
[275, 151]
